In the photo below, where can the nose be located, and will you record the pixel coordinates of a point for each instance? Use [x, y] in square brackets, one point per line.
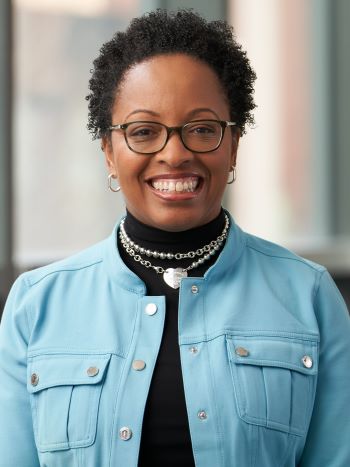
[174, 153]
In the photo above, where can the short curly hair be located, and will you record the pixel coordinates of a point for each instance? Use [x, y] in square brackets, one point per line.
[163, 32]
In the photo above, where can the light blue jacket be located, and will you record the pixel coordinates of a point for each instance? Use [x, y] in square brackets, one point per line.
[265, 353]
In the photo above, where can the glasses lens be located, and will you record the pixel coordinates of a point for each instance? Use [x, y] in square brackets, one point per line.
[146, 137]
[202, 136]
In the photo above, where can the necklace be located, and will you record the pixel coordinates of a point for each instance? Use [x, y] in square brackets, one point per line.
[172, 276]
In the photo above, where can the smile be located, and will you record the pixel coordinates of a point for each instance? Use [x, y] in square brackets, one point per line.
[179, 185]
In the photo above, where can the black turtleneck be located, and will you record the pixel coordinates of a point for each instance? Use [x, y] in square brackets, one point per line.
[165, 437]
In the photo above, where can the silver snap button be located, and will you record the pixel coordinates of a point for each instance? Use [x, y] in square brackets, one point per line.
[125, 433]
[242, 352]
[151, 309]
[194, 289]
[193, 350]
[307, 361]
[138, 365]
[92, 371]
[34, 379]
[202, 415]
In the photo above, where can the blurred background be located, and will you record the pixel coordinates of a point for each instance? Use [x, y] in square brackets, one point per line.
[293, 168]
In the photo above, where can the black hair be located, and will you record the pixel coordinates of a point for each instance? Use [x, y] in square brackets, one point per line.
[163, 32]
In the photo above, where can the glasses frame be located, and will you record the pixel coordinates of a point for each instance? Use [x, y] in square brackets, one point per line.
[177, 129]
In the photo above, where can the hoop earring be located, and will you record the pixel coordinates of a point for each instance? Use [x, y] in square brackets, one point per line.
[233, 179]
[115, 190]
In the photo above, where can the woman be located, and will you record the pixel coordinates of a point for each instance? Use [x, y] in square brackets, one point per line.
[180, 340]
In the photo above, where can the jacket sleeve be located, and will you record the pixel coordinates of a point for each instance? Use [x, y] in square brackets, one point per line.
[17, 446]
[327, 443]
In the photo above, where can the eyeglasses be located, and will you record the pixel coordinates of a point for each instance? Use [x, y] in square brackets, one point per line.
[150, 137]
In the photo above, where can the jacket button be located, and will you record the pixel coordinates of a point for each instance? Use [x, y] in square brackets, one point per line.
[151, 309]
[34, 379]
[92, 371]
[242, 352]
[193, 350]
[138, 365]
[307, 361]
[202, 415]
[194, 289]
[125, 433]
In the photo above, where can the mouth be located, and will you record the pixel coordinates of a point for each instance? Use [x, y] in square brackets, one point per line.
[175, 185]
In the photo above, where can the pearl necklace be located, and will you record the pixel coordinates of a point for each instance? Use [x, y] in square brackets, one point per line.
[172, 276]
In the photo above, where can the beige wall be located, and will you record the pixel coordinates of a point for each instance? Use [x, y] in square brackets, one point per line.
[272, 194]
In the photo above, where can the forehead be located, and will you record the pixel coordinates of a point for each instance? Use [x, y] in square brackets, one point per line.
[170, 85]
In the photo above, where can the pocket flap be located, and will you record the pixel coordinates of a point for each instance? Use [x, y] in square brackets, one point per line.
[48, 370]
[274, 351]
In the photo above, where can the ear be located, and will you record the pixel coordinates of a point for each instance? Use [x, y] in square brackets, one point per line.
[235, 142]
[107, 148]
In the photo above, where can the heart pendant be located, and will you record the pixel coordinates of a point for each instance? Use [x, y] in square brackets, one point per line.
[173, 277]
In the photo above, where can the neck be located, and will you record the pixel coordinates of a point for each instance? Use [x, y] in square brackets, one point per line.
[151, 237]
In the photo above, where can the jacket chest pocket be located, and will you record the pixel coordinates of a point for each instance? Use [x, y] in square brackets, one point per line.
[274, 380]
[65, 392]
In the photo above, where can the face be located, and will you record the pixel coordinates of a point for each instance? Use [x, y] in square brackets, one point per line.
[174, 189]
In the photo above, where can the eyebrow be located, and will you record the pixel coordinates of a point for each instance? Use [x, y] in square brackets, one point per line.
[189, 115]
[151, 112]
[202, 109]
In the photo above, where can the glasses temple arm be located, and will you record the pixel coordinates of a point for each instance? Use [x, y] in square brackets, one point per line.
[115, 127]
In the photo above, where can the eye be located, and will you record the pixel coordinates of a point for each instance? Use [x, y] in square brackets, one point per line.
[143, 131]
[203, 129]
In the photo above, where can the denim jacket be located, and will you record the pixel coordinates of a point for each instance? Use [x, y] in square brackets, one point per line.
[264, 340]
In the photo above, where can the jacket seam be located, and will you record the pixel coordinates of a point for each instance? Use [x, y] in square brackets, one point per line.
[28, 326]
[239, 333]
[314, 267]
[317, 286]
[26, 312]
[98, 355]
[115, 416]
[33, 282]
[140, 289]
[217, 420]
[208, 277]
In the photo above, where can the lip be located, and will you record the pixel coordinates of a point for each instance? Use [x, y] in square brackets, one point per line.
[175, 195]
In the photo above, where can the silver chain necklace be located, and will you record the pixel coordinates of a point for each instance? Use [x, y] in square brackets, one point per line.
[172, 276]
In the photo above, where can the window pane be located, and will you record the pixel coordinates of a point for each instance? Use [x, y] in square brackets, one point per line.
[60, 182]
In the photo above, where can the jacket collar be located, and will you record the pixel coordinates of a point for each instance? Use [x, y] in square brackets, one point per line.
[118, 272]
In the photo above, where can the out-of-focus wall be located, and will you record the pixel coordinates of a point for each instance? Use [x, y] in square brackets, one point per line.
[272, 194]
[6, 270]
[61, 197]
[293, 166]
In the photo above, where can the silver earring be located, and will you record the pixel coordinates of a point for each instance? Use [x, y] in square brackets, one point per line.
[233, 179]
[115, 190]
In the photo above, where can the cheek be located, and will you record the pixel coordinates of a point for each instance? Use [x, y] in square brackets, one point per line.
[220, 164]
[219, 175]
[130, 169]
[122, 159]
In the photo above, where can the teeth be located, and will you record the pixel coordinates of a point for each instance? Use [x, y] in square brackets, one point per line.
[179, 186]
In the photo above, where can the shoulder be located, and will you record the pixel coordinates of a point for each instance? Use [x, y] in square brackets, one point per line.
[277, 267]
[83, 261]
[271, 252]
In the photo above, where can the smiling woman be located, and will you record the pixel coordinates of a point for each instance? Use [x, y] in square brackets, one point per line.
[180, 340]
[151, 185]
